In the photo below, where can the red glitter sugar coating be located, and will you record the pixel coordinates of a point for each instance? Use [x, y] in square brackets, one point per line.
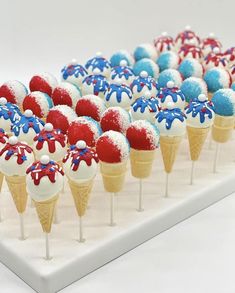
[107, 151]
[112, 120]
[37, 83]
[86, 107]
[51, 137]
[58, 120]
[5, 92]
[139, 139]
[30, 103]
[19, 149]
[61, 97]
[80, 131]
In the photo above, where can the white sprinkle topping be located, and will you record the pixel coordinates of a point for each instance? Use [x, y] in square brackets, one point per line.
[44, 159]
[28, 113]
[13, 140]
[81, 144]
[48, 127]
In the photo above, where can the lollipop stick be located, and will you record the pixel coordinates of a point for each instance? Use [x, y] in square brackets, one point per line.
[112, 209]
[81, 239]
[140, 208]
[192, 173]
[216, 158]
[22, 232]
[166, 188]
[48, 257]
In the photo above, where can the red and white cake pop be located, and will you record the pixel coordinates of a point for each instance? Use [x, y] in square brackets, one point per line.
[66, 94]
[50, 142]
[14, 91]
[91, 106]
[115, 118]
[208, 44]
[43, 82]
[215, 59]
[190, 51]
[164, 43]
[39, 103]
[186, 37]
[60, 117]
[84, 128]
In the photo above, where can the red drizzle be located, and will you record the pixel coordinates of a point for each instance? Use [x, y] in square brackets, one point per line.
[38, 170]
[19, 150]
[3, 136]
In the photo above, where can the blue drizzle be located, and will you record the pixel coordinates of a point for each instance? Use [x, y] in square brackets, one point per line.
[175, 93]
[99, 82]
[142, 103]
[140, 82]
[170, 116]
[118, 90]
[98, 62]
[204, 109]
[120, 71]
[25, 123]
[73, 70]
[10, 112]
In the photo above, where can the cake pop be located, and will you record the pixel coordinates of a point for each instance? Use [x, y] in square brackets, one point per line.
[192, 87]
[9, 114]
[44, 82]
[215, 59]
[143, 83]
[164, 43]
[73, 73]
[100, 63]
[14, 91]
[168, 59]
[117, 57]
[173, 94]
[187, 36]
[190, 67]
[217, 78]
[123, 73]
[145, 51]
[208, 44]
[147, 65]
[190, 51]
[169, 75]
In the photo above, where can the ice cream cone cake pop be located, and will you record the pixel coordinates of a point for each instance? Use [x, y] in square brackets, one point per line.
[145, 108]
[14, 91]
[115, 118]
[143, 83]
[117, 57]
[123, 73]
[171, 123]
[147, 65]
[100, 63]
[80, 166]
[192, 87]
[173, 94]
[84, 128]
[187, 37]
[15, 158]
[200, 117]
[190, 67]
[169, 75]
[168, 59]
[60, 117]
[119, 94]
[73, 73]
[9, 114]
[95, 84]
[66, 94]
[145, 51]
[44, 82]
[39, 103]
[91, 106]
[208, 44]
[164, 43]
[27, 127]
[113, 151]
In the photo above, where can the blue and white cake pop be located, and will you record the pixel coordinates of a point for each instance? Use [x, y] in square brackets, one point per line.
[233, 86]
[145, 51]
[217, 78]
[145, 108]
[192, 87]
[9, 114]
[147, 65]
[119, 94]
[98, 62]
[190, 67]
[224, 102]
[95, 84]
[143, 83]
[169, 75]
[168, 59]
[123, 73]
[171, 94]
[73, 73]
[117, 57]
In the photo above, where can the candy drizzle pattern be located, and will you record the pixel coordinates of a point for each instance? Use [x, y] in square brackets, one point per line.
[3, 136]
[51, 137]
[170, 116]
[163, 42]
[98, 62]
[202, 108]
[25, 123]
[79, 155]
[120, 71]
[143, 103]
[18, 150]
[76, 70]
[99, 83]
[38, 170]
[189, 49]
[175, 93]
[10, 112]
[216, 59]
[140, 82]
[118, 90]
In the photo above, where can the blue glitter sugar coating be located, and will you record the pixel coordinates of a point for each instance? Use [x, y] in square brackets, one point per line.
[186, 68]
[191, 90]
[165, 76]
[116, 58]
[144, 65]
[164, 61]
[212, 79]
[223, 104]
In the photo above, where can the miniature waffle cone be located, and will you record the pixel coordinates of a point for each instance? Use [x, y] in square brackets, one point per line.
[17, 187]
[141, 162]
[1, 181]
[45, 211]
[81, 193]
[169, 147]
[222, 128]
[210, 95]
[113, 175]
[196, 137]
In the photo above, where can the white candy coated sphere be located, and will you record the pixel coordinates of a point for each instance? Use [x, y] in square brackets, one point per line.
[28, 113]
[81, 144]
[144, 74]
[211, 35]
[164, 34]
[123, 63]
[13, 140]
[3, 101]
[202, 98]
[73, 61]
[99, 54]
[44, 159]
[170, 84]
[48, 127]
[96, 71]
[216, 50]
[188, 28]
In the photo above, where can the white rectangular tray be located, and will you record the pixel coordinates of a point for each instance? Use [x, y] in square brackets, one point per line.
[73, 260]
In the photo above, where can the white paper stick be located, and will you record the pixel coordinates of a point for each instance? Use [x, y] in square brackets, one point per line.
[81, 239]
[166, 188]
[192, 173]
[216, 158]
[140, 208]
[22, 230]
[48, 257]
[112, 223]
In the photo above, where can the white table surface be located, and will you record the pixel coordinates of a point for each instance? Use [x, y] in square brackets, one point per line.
[195, 256]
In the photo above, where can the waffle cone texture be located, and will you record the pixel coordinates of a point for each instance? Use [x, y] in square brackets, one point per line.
[196, 138]
[141, 162]
[17, 187]
[222, 128]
